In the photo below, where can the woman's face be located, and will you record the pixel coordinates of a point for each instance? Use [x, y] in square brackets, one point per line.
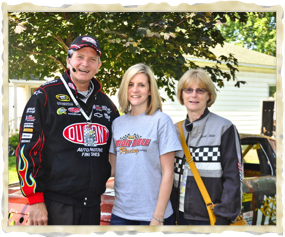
[139, 91]
[195, 98]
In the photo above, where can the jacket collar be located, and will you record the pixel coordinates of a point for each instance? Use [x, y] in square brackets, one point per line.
[94, 81]
[189, 125]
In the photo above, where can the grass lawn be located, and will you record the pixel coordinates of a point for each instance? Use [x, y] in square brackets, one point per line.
[13, 176]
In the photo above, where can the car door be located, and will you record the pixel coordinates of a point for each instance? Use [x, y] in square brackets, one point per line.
[259, 186]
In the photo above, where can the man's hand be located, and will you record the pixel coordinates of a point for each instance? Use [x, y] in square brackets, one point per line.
[38, 214]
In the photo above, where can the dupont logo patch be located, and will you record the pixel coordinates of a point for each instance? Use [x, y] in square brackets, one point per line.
[75, 133]
[62, 97]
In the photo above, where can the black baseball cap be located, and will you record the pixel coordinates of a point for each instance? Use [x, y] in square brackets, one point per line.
[84, 41]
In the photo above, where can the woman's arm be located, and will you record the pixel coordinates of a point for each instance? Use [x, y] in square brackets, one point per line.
[231, 159]
[112, 159]
[167, 168]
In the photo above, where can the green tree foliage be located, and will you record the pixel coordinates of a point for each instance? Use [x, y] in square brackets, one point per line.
[160, 39]
[13, 143]
[258, 33]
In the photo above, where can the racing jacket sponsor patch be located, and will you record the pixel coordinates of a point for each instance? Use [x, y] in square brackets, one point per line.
[71, 85]
[27, 135]
[61, 110]
[102, 108]
[108, 110]
[107, 116]
[31, 110]
[64, 103]
[30, 118]
[98, 115]
[28, 125]
[97, 107]
[74, 110]
[96, 134]
[37, 92]
[25, 141]
[62, 97]
[49, 82]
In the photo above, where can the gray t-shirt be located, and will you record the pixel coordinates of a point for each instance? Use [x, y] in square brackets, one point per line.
[138, 142]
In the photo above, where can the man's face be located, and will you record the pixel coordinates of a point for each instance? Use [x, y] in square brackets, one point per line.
[86, 62]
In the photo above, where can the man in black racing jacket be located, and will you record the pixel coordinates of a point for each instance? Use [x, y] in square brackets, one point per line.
[63, 151]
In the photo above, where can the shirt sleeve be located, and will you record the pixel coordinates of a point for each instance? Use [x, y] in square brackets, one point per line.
[29, 151]
[168, 139]
[231, 160]
[112, 148]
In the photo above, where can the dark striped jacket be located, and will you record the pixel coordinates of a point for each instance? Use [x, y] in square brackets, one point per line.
[214, 145]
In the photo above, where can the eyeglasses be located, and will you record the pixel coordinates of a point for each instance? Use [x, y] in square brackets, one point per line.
[198, 90]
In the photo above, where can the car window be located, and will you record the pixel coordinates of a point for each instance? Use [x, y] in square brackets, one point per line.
[255, 161]
[250, 160]
[250, 153]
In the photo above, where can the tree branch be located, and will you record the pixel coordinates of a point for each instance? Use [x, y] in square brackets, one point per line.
[49, 56]
[60, 40]
[23, 60]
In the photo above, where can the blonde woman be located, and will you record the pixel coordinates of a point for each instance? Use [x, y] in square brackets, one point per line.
[214, 145]
[142, 152]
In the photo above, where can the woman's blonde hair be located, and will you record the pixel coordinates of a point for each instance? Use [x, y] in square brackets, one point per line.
[202, 78]
[154, 99]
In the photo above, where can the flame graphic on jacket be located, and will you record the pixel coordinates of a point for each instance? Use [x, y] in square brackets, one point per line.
[28, 184]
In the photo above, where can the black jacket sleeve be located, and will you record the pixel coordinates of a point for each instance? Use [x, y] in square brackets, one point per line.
[29, 151]
[231, 159]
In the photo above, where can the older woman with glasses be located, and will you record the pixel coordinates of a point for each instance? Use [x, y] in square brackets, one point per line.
[214, 145]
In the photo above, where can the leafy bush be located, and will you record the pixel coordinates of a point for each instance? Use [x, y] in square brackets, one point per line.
[13, 143]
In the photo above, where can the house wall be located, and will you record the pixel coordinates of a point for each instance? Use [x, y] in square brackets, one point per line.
[21, 100]
[17, 101]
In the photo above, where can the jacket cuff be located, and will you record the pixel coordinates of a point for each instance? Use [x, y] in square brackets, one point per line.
[36, 198]
[222, 221]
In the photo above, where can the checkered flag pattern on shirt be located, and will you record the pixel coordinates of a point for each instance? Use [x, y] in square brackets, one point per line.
[200, 154]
